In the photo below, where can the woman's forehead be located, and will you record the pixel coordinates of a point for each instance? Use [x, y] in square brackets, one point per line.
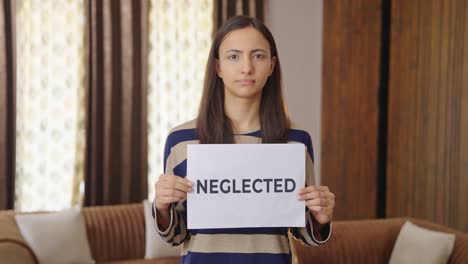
[244, 40]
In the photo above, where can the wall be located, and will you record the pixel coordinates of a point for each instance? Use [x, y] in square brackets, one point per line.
[391, 121]
[297, 28]
[350, 126]
[427, 164]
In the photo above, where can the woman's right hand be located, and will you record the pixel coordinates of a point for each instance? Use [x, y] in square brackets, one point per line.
[169, 189]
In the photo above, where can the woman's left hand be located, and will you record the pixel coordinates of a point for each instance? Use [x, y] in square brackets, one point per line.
[320, 202]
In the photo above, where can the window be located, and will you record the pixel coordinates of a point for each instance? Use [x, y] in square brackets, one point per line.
[180, 39]
[50, 103]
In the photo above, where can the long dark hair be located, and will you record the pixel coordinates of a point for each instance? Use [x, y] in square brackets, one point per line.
[213, 126]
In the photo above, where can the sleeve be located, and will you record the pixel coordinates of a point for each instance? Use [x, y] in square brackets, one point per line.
[177, 232]
[306, 234]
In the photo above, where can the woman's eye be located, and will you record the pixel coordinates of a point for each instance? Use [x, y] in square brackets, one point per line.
[233, 57]
[259, 56]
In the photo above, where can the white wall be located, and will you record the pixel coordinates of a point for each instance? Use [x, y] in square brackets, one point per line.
[297, 28]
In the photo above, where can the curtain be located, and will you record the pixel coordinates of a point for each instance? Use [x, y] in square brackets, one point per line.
[180, 40]
[224, 9]
[50, 98]
[7, 104]
[116, 160]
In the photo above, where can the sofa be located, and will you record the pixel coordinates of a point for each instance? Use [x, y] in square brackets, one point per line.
[116, 234]
[372, 241]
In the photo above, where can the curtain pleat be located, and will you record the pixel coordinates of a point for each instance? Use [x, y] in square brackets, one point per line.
[116, 160]
[7, 103]
[225, 9]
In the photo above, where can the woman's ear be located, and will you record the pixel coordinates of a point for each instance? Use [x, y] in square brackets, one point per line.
[273, 64]
[218, 68]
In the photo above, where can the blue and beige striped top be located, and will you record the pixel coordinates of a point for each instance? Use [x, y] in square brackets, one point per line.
[234, 245]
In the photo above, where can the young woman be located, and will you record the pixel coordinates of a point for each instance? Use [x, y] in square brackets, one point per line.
[242, 102]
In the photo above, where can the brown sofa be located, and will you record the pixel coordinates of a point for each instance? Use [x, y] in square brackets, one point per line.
[116, 234]
[371, 241]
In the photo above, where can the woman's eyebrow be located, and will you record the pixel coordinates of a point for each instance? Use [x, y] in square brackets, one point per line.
[239, 51]
[256, 50]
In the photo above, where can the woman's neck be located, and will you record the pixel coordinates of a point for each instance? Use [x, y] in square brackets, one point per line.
[244, 114]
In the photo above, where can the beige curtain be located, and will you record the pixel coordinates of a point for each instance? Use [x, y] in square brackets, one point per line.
[50, 86]
[7, 104]
[116, 160]
[180, 40]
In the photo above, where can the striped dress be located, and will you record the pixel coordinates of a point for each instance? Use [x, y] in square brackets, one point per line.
[234, 245]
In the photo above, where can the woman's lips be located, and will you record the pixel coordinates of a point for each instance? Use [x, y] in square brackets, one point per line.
[246, 82]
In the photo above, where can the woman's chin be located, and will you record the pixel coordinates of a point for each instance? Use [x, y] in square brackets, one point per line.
[244, 93]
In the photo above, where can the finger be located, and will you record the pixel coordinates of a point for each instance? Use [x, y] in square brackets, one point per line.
[182, 187]
[164, 177]
[320, 209]
[184, 181]
[308, 189]
[172, 193]
[331, 197]
[312, 188]
[330, 203]
[316, 194]
[174, 185]
[326, 195]
[310, 195]
[174, 178]
[168, 199]
[319, 202]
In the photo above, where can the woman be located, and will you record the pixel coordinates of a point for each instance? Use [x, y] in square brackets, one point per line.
[242, 102]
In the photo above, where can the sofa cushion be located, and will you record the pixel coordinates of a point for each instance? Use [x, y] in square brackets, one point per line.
[156, 247]
[415, 244]
[58, 237]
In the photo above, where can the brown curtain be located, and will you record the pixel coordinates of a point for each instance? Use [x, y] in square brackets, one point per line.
[7, 104]
[116, 144]
[225, 9]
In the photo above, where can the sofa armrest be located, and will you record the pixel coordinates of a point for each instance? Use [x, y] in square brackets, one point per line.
[14, 253]
[13, 247]
[361, 241]
[460, 251]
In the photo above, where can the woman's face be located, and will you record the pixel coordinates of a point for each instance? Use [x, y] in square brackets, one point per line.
[245, 63]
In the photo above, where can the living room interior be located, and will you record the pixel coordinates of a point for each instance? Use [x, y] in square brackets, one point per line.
[90, 89]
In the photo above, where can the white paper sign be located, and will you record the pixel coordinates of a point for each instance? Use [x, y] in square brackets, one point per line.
[245, 185]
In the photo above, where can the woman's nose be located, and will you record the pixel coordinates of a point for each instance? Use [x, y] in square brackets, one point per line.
[247, 67]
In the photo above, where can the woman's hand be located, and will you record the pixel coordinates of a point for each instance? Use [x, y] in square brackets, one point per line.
[320, 202]
[169, 189]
